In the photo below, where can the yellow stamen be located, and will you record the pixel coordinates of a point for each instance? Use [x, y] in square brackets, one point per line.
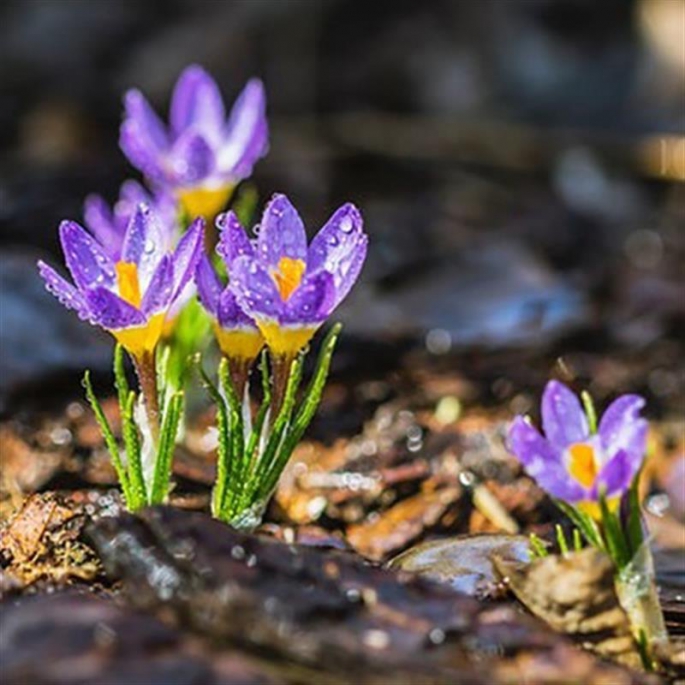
[243, 344]
[288, 275]
[142, 339]
[286, 341]
[129, 286]
[583, 466]
[204, 202]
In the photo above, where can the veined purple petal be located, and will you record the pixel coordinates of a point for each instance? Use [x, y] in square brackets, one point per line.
[197, 103]
[89, 264]
[312, 301]
[187, 255]
[563, 419]
[100, 222]
[233, 240]
[622, 427]
[160, 289]
[254, 289]
[543, 462]
[246, 137]
[209, 286]
[340, 248]
[66, 293]
[616, 475]
[229, 313]
[143, 137]
[281, 233]
[110, 311]
[191, 159]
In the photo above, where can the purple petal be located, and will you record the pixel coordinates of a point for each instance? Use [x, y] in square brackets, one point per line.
[312, 301]
[563, 419]
[143, 137]
[230, 314]
[144, 244]
[543, 462]
[110, 311]
[616, 475]
[191, 159]
[187, 255]
[254, 289]
[233, 240]
[100, 222]
[340, 248]
[197, 103]
[247, 133]
[281, 233]
[622, 427]
[89, 264]
[160, 289]
[209, 286]
[64, 291]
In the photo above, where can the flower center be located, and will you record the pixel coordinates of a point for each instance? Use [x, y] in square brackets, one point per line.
[127, 280]
[583, 464]
[288, 275]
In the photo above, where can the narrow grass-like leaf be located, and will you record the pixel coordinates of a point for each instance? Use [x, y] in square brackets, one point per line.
[224, 445]
[235, 427]
[110, 441]
[584, 523]
[258, 426]
[590, 411]
[577, 540]
[313, 394]
[120, 380]
[635, 531]
[133, 451]
[275, 454]
[613, 534]
[537, 547]
[165, 451]
[561, 539]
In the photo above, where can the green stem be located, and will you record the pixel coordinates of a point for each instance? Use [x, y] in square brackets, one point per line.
[147, 377]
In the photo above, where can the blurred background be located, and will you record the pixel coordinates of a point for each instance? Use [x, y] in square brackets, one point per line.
[519, 164]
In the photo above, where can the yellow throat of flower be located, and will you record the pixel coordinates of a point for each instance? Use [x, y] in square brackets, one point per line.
[583, 464]
[204, 202]
[288, 276]
[129, 285]
[139, 340]
[242, 344]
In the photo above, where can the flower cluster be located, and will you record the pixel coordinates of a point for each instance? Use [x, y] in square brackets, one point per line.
[137, 267]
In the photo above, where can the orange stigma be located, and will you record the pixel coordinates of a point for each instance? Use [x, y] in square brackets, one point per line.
[129, 286]
[583, 465]
[288, 275]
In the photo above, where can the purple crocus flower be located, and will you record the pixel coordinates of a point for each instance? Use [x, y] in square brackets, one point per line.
[203, 154]
[572, 464]
[109, 224]
[132, 296]
[236, 332]
[289, 289]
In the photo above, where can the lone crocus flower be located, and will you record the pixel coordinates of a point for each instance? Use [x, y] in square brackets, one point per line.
[290, 289]
[571, 463]
[203, 154]
[109, 224]
[129, 297]
[237, 334]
